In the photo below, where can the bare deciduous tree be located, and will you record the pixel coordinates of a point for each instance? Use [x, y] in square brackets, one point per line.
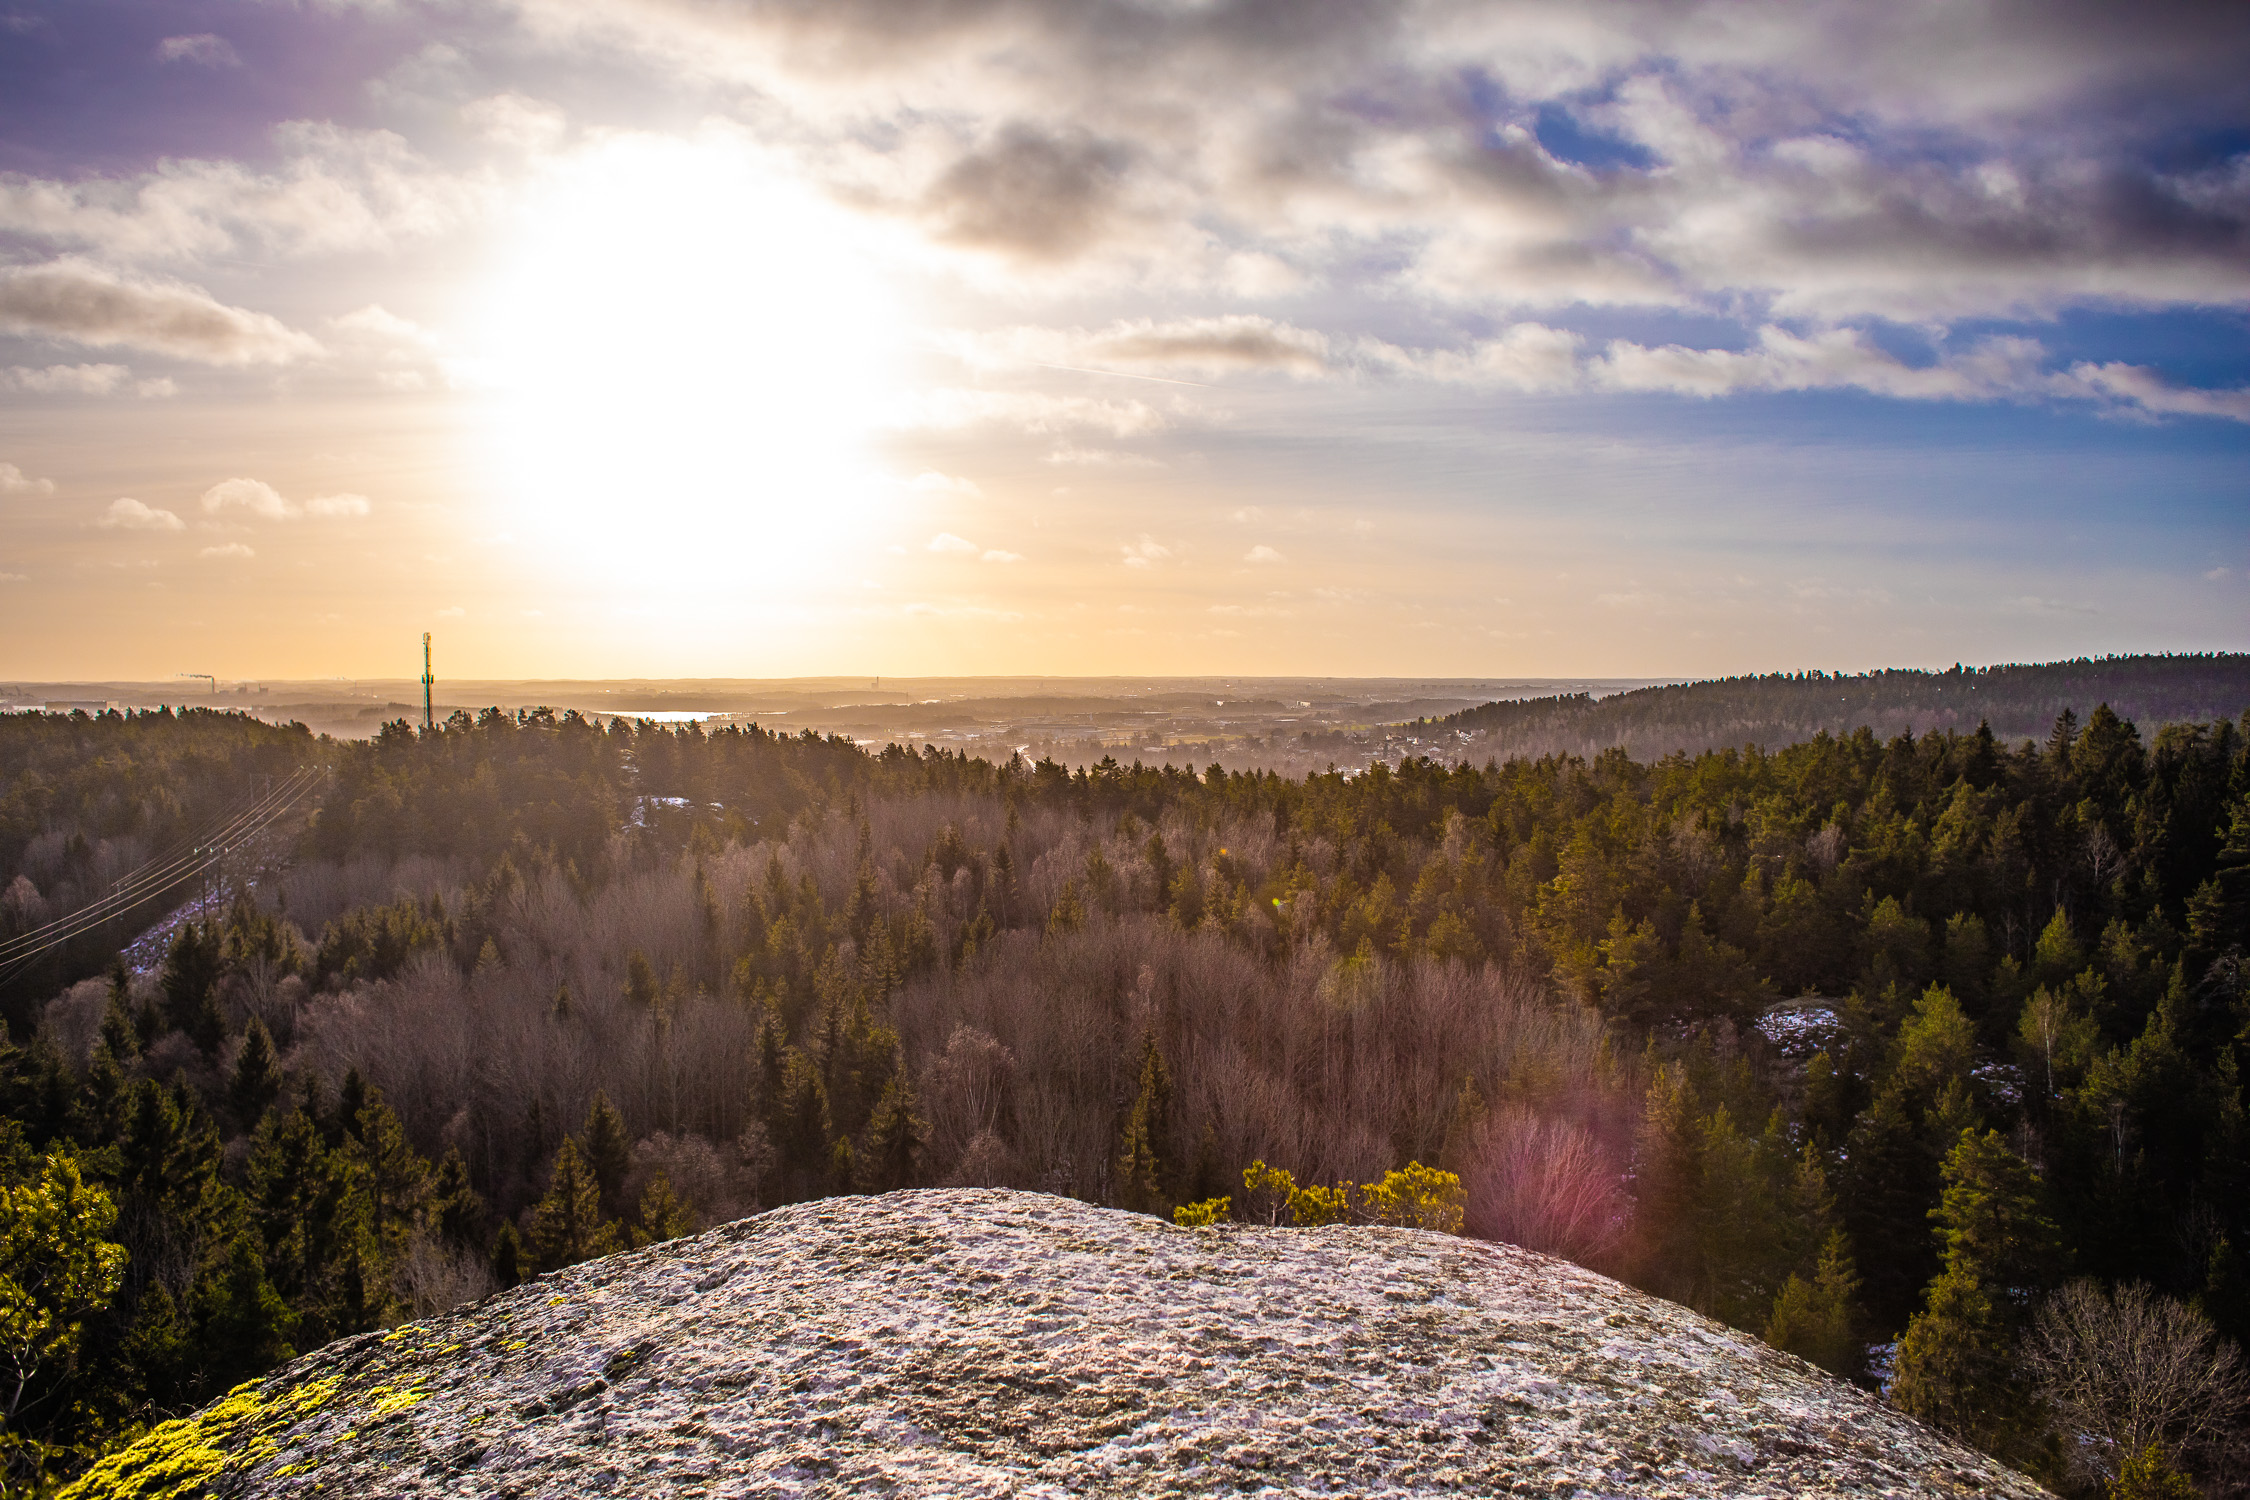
[2121, 1371]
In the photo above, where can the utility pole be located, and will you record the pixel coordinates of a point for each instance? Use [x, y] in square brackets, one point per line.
[429, 720]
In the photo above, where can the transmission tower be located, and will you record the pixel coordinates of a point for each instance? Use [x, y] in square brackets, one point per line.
[429, 721]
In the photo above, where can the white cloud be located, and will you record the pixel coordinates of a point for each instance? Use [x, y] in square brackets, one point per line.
[452, 612]
[946, 541]
[253, 495]
[517, 120]
[1033, 411]
[229, 550]
[1262, 554]
[264, 501]
[85, 303]
[15, 578]
[995, 555]
[131, 515]
[337, 191]
[72, 380]
[1145, 553]
[204, 49]
[14, 481]
[931, 482]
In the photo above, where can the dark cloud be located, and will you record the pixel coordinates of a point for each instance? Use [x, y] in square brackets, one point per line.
[1030, 193]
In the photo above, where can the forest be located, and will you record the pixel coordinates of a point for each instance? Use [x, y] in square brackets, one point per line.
[1915, 1055]
[2015, 701]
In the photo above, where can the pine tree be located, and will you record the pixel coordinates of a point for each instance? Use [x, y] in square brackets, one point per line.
[507, 1257]
[241, 1323]
[190, 980]
[892, 1154]
[257, 1075]
[452, 1209]
[1956, 1365]
[641, 989]
[567, 1225]
[663, 1215]
[608, 1151]
[1815, 1319]
[392, 1174]
[118, 1031]
[1143, 1166]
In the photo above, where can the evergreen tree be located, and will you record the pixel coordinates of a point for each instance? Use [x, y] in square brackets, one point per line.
[891, 1156]
[1816, 1320]
[641, 988]
[1143, 1167]
[1956, 1365]
[118, 1031]
[608, 1151]
[257, 1075]
[392, 1175]
[241, 1323]
[190, 984]
[507, 1257]
[452, 1208]
[567, 1224]
[663, 1214]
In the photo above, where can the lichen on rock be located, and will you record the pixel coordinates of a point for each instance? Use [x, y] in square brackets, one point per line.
[981, 1342]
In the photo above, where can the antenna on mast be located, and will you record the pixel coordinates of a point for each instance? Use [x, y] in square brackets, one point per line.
[429, 720]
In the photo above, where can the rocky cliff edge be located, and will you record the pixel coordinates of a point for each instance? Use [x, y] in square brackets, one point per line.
[970, 1342]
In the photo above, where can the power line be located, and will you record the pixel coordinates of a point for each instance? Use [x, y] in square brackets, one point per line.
[20, 951]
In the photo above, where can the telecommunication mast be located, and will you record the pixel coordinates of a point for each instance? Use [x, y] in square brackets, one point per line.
[429, 721]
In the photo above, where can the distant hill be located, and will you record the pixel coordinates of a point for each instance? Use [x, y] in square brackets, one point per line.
[2019, 701]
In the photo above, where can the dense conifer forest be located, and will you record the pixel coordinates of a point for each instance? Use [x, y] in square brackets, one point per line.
[1915, 1054]
[2014, 701]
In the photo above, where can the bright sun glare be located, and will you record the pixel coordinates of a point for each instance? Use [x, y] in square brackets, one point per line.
[690, 353]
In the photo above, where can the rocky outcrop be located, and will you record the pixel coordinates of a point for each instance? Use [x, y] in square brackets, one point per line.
[972, 1342]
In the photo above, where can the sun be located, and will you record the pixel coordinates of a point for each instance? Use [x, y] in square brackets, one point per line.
[689, 353]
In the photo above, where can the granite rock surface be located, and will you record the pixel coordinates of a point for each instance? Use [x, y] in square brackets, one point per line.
[989, 1343]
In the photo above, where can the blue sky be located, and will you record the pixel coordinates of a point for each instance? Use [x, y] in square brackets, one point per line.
[756, 338]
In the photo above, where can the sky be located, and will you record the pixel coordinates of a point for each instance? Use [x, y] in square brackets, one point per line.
[1448, 337]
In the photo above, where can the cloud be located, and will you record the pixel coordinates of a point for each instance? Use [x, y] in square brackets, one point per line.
[946, 541]
[1036, 192]
[336, 191]
[131, 515]
[452, 612]
[1921, 160]
[74, 380]
[83, 303]
[264, 501]
[253, 495]
[995, 555]
[1145, 553]
[1213, 346]
[931, 482]
[956, 407]
[1262, 554]
[229, 550]
[516, 120]
[203, 49]
[14, 481]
